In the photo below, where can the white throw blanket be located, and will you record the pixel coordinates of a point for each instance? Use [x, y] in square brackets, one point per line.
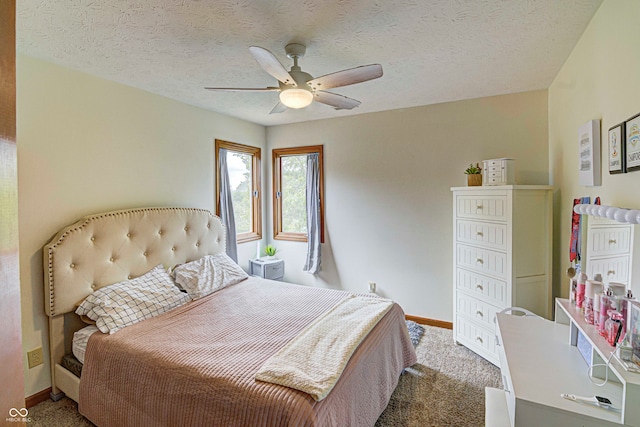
[314, 360]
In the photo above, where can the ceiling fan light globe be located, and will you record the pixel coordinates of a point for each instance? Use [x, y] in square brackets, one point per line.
[296, 97]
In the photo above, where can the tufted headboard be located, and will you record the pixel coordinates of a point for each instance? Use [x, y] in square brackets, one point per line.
[110, 247]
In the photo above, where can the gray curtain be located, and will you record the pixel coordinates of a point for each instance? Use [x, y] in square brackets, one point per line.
[226, 206]
[312, 265]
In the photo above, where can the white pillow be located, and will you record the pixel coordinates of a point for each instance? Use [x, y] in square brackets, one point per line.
[122, 304]
[80, 340]
[208, 274]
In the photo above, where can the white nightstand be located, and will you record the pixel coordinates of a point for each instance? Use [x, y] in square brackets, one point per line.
[267, 268]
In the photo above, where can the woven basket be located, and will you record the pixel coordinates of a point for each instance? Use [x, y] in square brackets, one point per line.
[474, 180]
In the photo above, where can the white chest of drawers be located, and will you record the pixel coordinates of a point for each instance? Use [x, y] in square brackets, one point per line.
[501, 258]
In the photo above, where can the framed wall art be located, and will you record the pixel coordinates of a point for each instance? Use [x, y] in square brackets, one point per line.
[632, 132]
[617, 149]
[589, 153]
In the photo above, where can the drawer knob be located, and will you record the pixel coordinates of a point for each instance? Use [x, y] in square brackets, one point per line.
[479, 313]
[479, 339]
[479, 206]
[479, 233]
[611, 272]
[479, 286]
[479, 261]
[612, 241]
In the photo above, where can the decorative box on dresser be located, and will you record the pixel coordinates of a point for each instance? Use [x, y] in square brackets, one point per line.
[502, 237]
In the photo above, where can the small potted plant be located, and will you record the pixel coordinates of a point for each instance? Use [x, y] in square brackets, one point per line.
[270, 251]
[474, 175]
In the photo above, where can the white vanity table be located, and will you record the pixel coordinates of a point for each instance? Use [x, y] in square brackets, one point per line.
[539, 361]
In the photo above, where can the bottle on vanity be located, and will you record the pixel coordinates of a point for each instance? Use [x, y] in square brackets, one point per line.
[606, 304]
[625, 304]
[593, 290]
[614, 328]
[580, 291]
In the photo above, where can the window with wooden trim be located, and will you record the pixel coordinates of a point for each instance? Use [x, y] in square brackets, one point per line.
[289, 192]
[243, 163]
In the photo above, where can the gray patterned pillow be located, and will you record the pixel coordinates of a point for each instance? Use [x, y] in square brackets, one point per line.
[208, 274]
[122, 304]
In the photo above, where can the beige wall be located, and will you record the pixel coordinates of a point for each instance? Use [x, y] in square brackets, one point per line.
[88, 145]
[387, 184]
[600, 80]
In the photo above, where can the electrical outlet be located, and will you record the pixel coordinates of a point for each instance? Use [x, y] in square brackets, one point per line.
[372, 287]
[34, 357]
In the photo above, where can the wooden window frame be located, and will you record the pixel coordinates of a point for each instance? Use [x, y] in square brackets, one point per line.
[277, 154]
[256, 190]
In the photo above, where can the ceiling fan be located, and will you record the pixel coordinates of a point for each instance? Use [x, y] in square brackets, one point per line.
[298, 89]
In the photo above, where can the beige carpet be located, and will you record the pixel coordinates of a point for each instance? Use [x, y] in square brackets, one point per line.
[445, 388]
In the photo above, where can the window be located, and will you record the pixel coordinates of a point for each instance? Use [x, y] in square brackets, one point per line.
[243, 163]
[289, 192]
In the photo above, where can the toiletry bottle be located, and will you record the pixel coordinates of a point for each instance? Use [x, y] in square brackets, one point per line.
[580, 290]
[588, 302]
[615, 331]
[624, 308]
[605, 307]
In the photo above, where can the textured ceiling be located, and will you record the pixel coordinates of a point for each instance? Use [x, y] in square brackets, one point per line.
[431, 51]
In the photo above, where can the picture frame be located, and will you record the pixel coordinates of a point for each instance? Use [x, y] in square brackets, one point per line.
[589, 163]
[632, 144]
[617, 149]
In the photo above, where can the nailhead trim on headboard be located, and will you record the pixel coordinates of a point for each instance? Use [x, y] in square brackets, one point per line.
[124, 244]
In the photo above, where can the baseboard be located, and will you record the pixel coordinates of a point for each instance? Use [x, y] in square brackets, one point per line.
[430, 322]
[39, 397]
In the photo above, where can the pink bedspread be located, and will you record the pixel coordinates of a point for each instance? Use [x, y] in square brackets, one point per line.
[195, 365]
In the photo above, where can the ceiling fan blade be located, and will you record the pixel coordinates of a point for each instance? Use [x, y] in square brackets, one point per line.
[271, 65]
[279, 108]
[244, 89]
[339, 102]
[347, 77]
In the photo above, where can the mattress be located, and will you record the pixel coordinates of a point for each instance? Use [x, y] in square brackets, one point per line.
[196, 364]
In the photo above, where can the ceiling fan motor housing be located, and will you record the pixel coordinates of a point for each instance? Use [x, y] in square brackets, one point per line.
[295, 50]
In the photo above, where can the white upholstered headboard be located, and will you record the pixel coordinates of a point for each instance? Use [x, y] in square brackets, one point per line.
[110, 247]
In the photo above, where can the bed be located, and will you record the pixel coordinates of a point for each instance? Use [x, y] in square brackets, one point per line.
[197, 364]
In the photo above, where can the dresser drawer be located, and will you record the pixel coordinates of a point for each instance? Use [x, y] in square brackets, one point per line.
[486, 288]
[478, 206]
[486, 234]
[274, 271]
[614, 269]
[475, 309]
[480, 339]
[608, 241]
[482, 260]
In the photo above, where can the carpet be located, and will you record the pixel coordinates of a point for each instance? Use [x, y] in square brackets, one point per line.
[445, 388]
